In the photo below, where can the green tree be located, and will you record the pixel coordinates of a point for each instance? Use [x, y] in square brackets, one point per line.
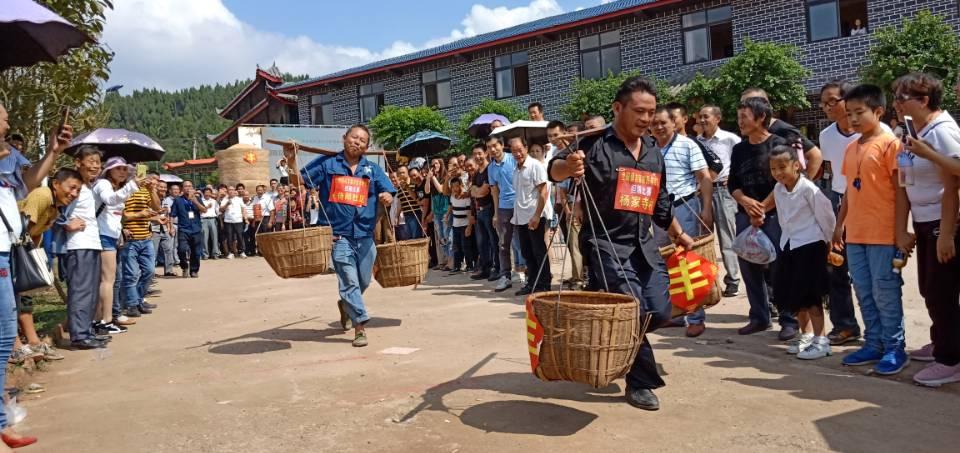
[591, 97]
[463, 139]
[34, 95]
[394, 124]
[773, 67]
[924, 43]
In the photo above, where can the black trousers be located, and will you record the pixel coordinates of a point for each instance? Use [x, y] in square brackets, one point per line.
[534, 251]
[651, 285]
[235, 240]
[940, 287]
[190, 249]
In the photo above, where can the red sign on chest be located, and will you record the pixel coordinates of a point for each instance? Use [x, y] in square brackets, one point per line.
[349, 190]
[637, 190]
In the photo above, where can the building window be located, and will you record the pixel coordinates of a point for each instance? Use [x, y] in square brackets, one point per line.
[707, 35]
[321, 108]
[512, 75]
[600, 55]
[436, 88]
[828, 19]
[371, 101]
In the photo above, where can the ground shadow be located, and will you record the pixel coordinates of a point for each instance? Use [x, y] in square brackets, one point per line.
[286, 334]
[373, 323]
[526, 417]
[250, 347]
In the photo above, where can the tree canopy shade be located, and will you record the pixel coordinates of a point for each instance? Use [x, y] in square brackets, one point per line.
[592, 97]
[394, 124]
[925, 43]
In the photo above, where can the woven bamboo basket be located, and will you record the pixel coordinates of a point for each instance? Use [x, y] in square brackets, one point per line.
[588, 337]
[402, 263]
[298, 253]
[703, 246]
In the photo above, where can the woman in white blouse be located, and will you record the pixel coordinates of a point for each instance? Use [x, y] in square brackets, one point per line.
[110, 193]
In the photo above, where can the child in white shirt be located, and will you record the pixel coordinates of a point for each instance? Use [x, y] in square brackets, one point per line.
[801, 280]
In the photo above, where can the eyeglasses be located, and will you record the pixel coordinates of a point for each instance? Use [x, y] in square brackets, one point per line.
[904, 97]
[831, 103]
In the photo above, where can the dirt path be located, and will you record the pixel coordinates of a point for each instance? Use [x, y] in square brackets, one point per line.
[241, 361]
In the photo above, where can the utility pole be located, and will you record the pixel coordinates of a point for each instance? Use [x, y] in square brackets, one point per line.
[194, 149]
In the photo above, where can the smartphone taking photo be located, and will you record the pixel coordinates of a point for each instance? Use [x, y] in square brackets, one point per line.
[911, 128]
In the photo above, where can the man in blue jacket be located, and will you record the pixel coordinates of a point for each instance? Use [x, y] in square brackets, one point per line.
[350, 186]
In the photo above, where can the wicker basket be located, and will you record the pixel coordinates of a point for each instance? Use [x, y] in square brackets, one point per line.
[703, 246]
[403, 263]
[297, 253]
[588, 337]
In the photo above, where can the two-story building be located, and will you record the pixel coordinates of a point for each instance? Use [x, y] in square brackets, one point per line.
[669, 39]
[258, 103]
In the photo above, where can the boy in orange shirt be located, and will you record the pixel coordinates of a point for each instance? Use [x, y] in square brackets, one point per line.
[868, 216]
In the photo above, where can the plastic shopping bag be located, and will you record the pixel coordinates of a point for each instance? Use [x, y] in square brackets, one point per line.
[754, 246]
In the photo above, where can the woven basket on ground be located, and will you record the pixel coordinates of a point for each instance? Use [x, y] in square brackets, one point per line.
[297, 253]
[588, 337]
[402, 263]
[703, 246]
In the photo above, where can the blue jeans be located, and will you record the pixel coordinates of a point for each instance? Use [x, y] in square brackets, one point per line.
[138, 262]
[758, 278]
[687, 216]
[442, 230]
[8, 322]
[412, 225]
[879, 291]
[842, 314]
[487, 241]
[353, 263]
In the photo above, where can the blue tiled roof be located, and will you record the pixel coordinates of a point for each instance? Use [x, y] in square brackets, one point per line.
[529, 27]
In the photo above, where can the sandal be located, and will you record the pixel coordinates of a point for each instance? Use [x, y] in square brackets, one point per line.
[34, 388]
[360, 340]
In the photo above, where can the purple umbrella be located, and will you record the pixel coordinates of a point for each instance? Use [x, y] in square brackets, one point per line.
[480, 127]
[132, 146]
[34, 34]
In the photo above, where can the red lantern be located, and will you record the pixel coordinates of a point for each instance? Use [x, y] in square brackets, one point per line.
[691, 278]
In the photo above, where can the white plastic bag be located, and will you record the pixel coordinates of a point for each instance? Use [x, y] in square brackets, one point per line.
[754, 246]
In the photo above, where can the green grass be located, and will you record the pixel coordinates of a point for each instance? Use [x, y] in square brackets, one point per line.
[48, 311]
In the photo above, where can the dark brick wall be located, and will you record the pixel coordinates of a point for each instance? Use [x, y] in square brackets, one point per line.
[651, 43]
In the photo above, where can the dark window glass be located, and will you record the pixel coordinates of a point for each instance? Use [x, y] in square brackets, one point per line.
[828, 19]
[600, 55]
[371, 100]
[511, 75]
[436, 88]
[321, 108]
[707, 35]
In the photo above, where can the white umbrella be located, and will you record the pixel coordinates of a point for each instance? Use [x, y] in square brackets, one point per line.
[532, 131]
[166, 177]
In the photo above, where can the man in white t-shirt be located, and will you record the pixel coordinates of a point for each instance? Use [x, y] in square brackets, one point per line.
[531, 214]
[721, 142]
[232, 207]
[284, 171]
[208, 222]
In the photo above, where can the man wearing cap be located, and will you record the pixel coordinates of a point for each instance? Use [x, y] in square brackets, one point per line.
[623, 158]
[350, 187]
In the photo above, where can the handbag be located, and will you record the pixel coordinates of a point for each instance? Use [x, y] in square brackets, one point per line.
[28, 263]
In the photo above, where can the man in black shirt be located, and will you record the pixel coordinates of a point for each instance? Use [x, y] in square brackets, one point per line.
[486, 235]
[750, 183]
[623, 256]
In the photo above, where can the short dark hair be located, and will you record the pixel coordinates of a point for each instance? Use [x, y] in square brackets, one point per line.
[479, 145]
[920, 84]
[64, 174]
[871, 95]
[538, 105]
[240, 185]
[523, 140]
[86, 151]
[759, 106]
[633, 85]
[13, 137]
[841, 84]
[555, 124]
[275, 180]
[575, 125]
[222, 186]
[665, 109]
[781, 150]
[208, 189]
[678, 106]
[362, 127]
[492, 138]
[455, 181]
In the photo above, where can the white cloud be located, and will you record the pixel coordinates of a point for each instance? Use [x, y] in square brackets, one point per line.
[173, 44]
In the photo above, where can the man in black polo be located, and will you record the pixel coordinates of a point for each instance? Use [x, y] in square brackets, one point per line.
[629, 259]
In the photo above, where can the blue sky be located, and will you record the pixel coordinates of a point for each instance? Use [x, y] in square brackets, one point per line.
[174, 44]
[393, 20]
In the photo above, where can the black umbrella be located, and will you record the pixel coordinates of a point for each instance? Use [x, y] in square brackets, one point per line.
[32, 33]
[424, 143]
[132, 146]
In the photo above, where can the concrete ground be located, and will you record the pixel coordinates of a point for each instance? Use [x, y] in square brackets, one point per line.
[242, 361]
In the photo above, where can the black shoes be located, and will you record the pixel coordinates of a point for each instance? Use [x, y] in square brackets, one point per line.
[89, 343]
[642, 399]
[148, 305]
[480, 276]
[523, 291]
[731, 291]
[133, 312]
[143, 310]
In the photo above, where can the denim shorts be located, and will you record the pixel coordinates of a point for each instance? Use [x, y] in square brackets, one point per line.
[108, 243]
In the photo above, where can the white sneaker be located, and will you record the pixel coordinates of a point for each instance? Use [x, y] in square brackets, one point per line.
[243, 255]
[819, 349]
[802, 344]
[503, 284]
[230, 256]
